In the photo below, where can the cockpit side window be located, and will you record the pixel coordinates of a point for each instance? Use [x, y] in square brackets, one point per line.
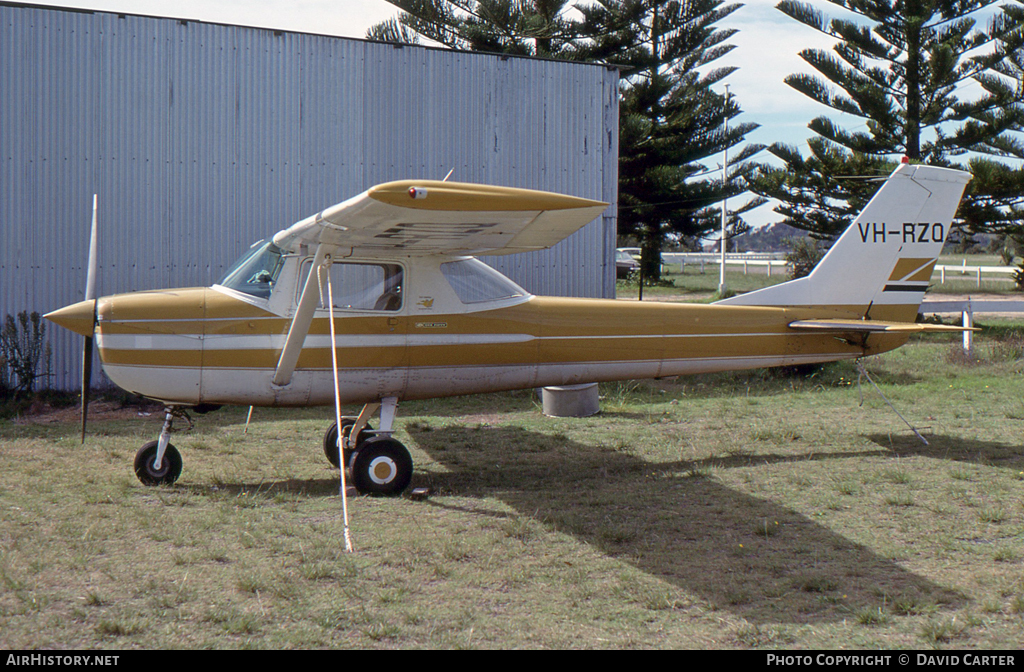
[476, 282]
[256, 272]
[361, 286]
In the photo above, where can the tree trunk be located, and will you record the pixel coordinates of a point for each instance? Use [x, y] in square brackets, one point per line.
[650, 256]
[914, 22]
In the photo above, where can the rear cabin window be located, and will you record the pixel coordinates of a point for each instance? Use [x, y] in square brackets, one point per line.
[476, 282]
[360, 286]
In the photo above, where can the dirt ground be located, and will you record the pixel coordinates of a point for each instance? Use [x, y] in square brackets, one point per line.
[42, 413]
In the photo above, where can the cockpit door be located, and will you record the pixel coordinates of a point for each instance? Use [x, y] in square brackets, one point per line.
[369, 322]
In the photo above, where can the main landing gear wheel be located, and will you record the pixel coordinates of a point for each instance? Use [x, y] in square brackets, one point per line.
[331, 441]
[381, 466]
[169, 470]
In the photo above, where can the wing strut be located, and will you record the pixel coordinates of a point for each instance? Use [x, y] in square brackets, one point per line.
[302, 319]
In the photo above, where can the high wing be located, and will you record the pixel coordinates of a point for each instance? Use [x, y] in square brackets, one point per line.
[433, 217]
[427, 217]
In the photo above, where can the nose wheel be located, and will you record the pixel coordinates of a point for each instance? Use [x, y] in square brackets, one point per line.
[146, 469]
[158, 462]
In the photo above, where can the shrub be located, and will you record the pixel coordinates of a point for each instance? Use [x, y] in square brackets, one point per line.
[1009, 348]
[1018, 275]
[23, 348]
[957, 356]
[804, 255]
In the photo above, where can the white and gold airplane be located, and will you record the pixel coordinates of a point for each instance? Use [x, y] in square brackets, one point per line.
[413, 315]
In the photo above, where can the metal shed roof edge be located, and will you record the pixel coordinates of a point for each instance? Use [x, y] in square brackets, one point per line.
[281, 31]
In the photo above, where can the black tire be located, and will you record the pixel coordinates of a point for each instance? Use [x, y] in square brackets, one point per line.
[331, 441]
[169, 470]
[382, 467]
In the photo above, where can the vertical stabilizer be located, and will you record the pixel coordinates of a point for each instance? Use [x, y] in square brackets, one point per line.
[881, 265]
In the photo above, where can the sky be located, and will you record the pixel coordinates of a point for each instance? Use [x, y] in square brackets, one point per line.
[767, 47]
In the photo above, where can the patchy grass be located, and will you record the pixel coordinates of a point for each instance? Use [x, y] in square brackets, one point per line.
[760, 509]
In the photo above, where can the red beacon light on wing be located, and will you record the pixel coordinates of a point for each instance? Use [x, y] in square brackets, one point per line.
[417, 192]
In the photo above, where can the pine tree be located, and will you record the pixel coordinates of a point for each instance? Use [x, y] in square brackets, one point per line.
[900, 70]
[671, 121]
[519, 27]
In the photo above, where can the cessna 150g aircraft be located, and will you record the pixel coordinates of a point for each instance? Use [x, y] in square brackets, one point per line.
[387, 284]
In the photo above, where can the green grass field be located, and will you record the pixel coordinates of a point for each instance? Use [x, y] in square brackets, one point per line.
[750, 510]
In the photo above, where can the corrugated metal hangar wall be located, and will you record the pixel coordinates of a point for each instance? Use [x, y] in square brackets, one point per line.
[202, 138]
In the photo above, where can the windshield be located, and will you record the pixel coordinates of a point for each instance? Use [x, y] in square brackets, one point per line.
[256, 272]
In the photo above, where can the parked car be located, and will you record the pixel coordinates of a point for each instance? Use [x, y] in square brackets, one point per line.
[624, 264]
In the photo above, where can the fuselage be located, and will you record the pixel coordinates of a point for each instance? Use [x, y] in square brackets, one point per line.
[446, 330]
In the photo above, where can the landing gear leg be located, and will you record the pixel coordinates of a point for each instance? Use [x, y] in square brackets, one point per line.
[362, 425]
[352, 435]
[331, 441]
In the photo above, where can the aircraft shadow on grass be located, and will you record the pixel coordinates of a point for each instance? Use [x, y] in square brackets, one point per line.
[673, 522]
[954, 448]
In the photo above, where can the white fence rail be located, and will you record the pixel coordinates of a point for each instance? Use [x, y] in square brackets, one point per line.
[967, 308]
[770, 261]
[976, 271]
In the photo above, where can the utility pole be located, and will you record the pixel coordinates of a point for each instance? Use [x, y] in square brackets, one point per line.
[725, 208]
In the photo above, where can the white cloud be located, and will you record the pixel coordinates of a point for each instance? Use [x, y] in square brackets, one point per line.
[767, 51]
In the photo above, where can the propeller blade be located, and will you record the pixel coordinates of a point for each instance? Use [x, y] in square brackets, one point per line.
[90, 277]
[86, 380]
[90, 295]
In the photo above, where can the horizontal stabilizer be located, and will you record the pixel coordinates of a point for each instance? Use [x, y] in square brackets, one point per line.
[874, 326]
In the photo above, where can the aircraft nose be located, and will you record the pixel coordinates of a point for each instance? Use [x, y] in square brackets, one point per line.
[78, 317]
